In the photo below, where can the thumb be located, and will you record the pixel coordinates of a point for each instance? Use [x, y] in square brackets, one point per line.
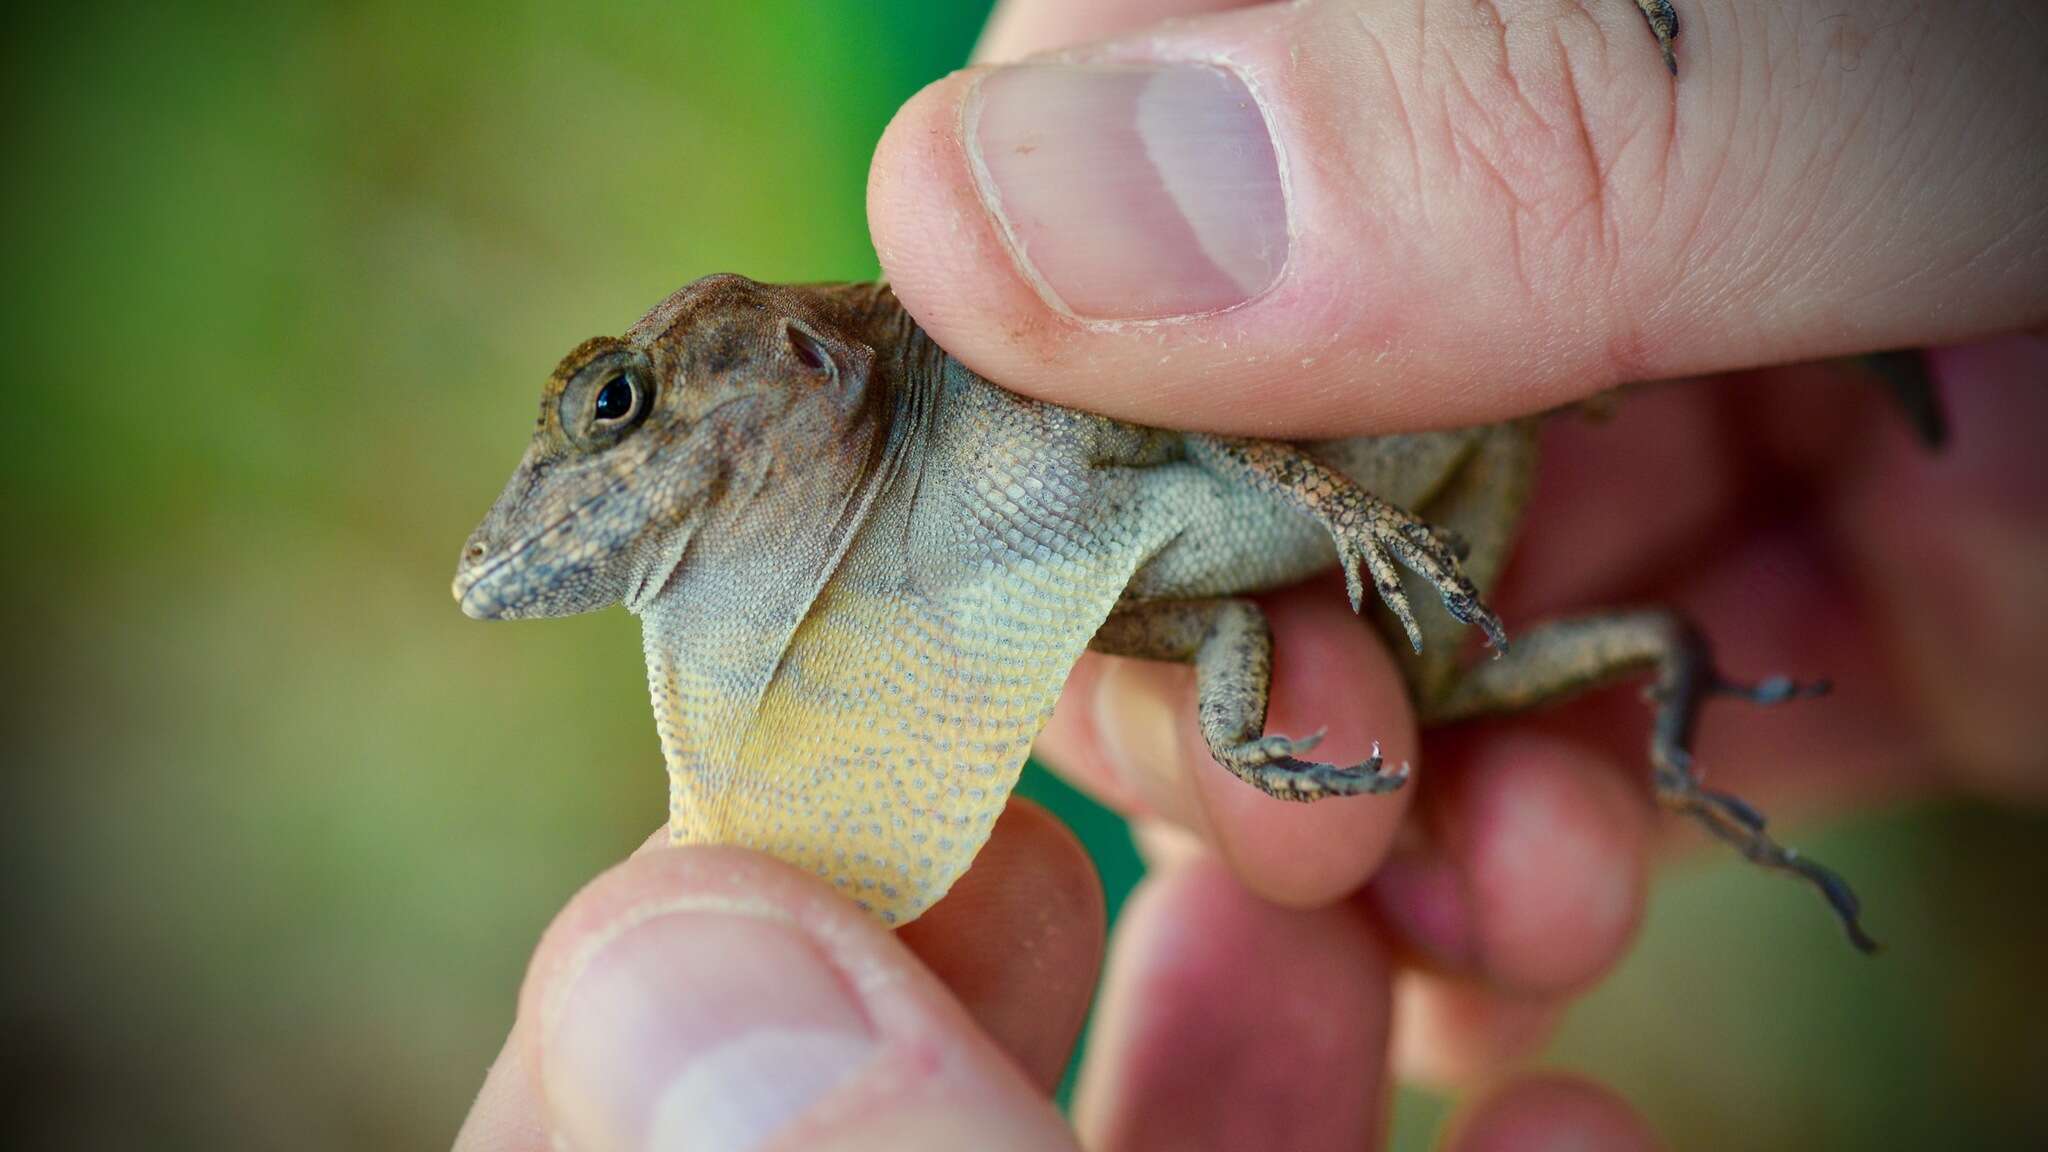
[715, 1000]
[1338, 216]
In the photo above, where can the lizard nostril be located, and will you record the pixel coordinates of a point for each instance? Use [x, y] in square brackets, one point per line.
[476, 551]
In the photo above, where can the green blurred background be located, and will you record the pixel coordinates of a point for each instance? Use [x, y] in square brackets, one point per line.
[281, 284]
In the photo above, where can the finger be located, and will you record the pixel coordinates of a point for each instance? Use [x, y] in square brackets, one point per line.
[1533, 867]
[1127, 731]
[1622, 498]
[1451, 1033]
[1018, 28]
[714, 998]
[1019, 939]
[1228, 1023]
[1550, 1112]
[1952, 549]
[507, 1114]
[1371, 215]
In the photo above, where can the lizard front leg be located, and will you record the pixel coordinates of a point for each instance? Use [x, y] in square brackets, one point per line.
[1561, 658]
[1370, 533]
[1231, 648]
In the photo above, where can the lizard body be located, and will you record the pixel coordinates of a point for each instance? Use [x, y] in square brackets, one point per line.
[864, 572]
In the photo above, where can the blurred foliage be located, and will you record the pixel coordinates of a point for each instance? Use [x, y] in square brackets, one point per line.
[282, 282]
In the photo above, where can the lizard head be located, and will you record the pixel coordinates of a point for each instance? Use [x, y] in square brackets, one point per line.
[724, 391]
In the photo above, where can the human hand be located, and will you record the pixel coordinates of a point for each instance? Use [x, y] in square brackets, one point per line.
[1451, 213]
[1565, 219]
[713, 999]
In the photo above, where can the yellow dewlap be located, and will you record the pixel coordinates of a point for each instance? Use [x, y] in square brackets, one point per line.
[888, 740]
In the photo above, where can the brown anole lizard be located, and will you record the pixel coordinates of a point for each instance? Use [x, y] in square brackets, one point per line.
[863, 573]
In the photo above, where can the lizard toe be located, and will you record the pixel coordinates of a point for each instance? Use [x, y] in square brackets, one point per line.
[1305, 780]
[1267, 750]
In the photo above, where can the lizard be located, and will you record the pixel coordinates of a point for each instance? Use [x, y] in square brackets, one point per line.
[863, 573]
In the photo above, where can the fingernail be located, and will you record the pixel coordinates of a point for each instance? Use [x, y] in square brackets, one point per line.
[1137, 724]
[705, 1031]
[1131, 191]
[1424, 901]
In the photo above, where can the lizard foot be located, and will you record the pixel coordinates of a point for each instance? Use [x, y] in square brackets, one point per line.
[1371, 534]
[1728, 817]
[1664, 26]
[1266, 764]
[1560, 658]
[1392, 534]
[1232, 650]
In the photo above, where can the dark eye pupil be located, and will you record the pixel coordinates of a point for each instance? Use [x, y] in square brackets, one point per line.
[615, 399]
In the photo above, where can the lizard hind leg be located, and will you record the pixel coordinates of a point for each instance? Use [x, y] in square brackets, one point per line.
[1231, 647]
[1562, 658]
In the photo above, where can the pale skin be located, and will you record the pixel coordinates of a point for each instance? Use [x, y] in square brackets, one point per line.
[1891, 515]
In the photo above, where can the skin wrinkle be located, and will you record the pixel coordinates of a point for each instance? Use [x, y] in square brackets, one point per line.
[1619, 317]
[1959, 178]
[563, 981]
[1563, 258]
[1472, 156]
[1838, 112]
[1902, 171]
[1608, 229]
[1705, 245]
[1401, 115]
[1830, 105]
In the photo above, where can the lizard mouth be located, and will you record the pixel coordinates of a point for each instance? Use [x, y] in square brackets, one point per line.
[473, 587]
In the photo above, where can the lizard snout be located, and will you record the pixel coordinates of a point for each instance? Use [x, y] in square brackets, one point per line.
[477, 558]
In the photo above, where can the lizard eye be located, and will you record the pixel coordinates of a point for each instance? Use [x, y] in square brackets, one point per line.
[616, 400]
[607, 400]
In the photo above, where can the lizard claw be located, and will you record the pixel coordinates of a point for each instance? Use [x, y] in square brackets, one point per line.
[1470, 610]
[1432, 555]
[1664, 26]
[1386, 580]
[1303, 780]
[1271, 749]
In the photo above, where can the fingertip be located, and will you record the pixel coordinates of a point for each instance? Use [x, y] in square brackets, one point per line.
[1019, 939]
[506, 1116]
[1558, 858]
[1451, 1033]
[941, 252]
[1551, 1113]
[1535, 876]
[718, 993]
[1229, 1023]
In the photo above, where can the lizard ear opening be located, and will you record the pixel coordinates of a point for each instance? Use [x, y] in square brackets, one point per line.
[833, 362]
[809, 348]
